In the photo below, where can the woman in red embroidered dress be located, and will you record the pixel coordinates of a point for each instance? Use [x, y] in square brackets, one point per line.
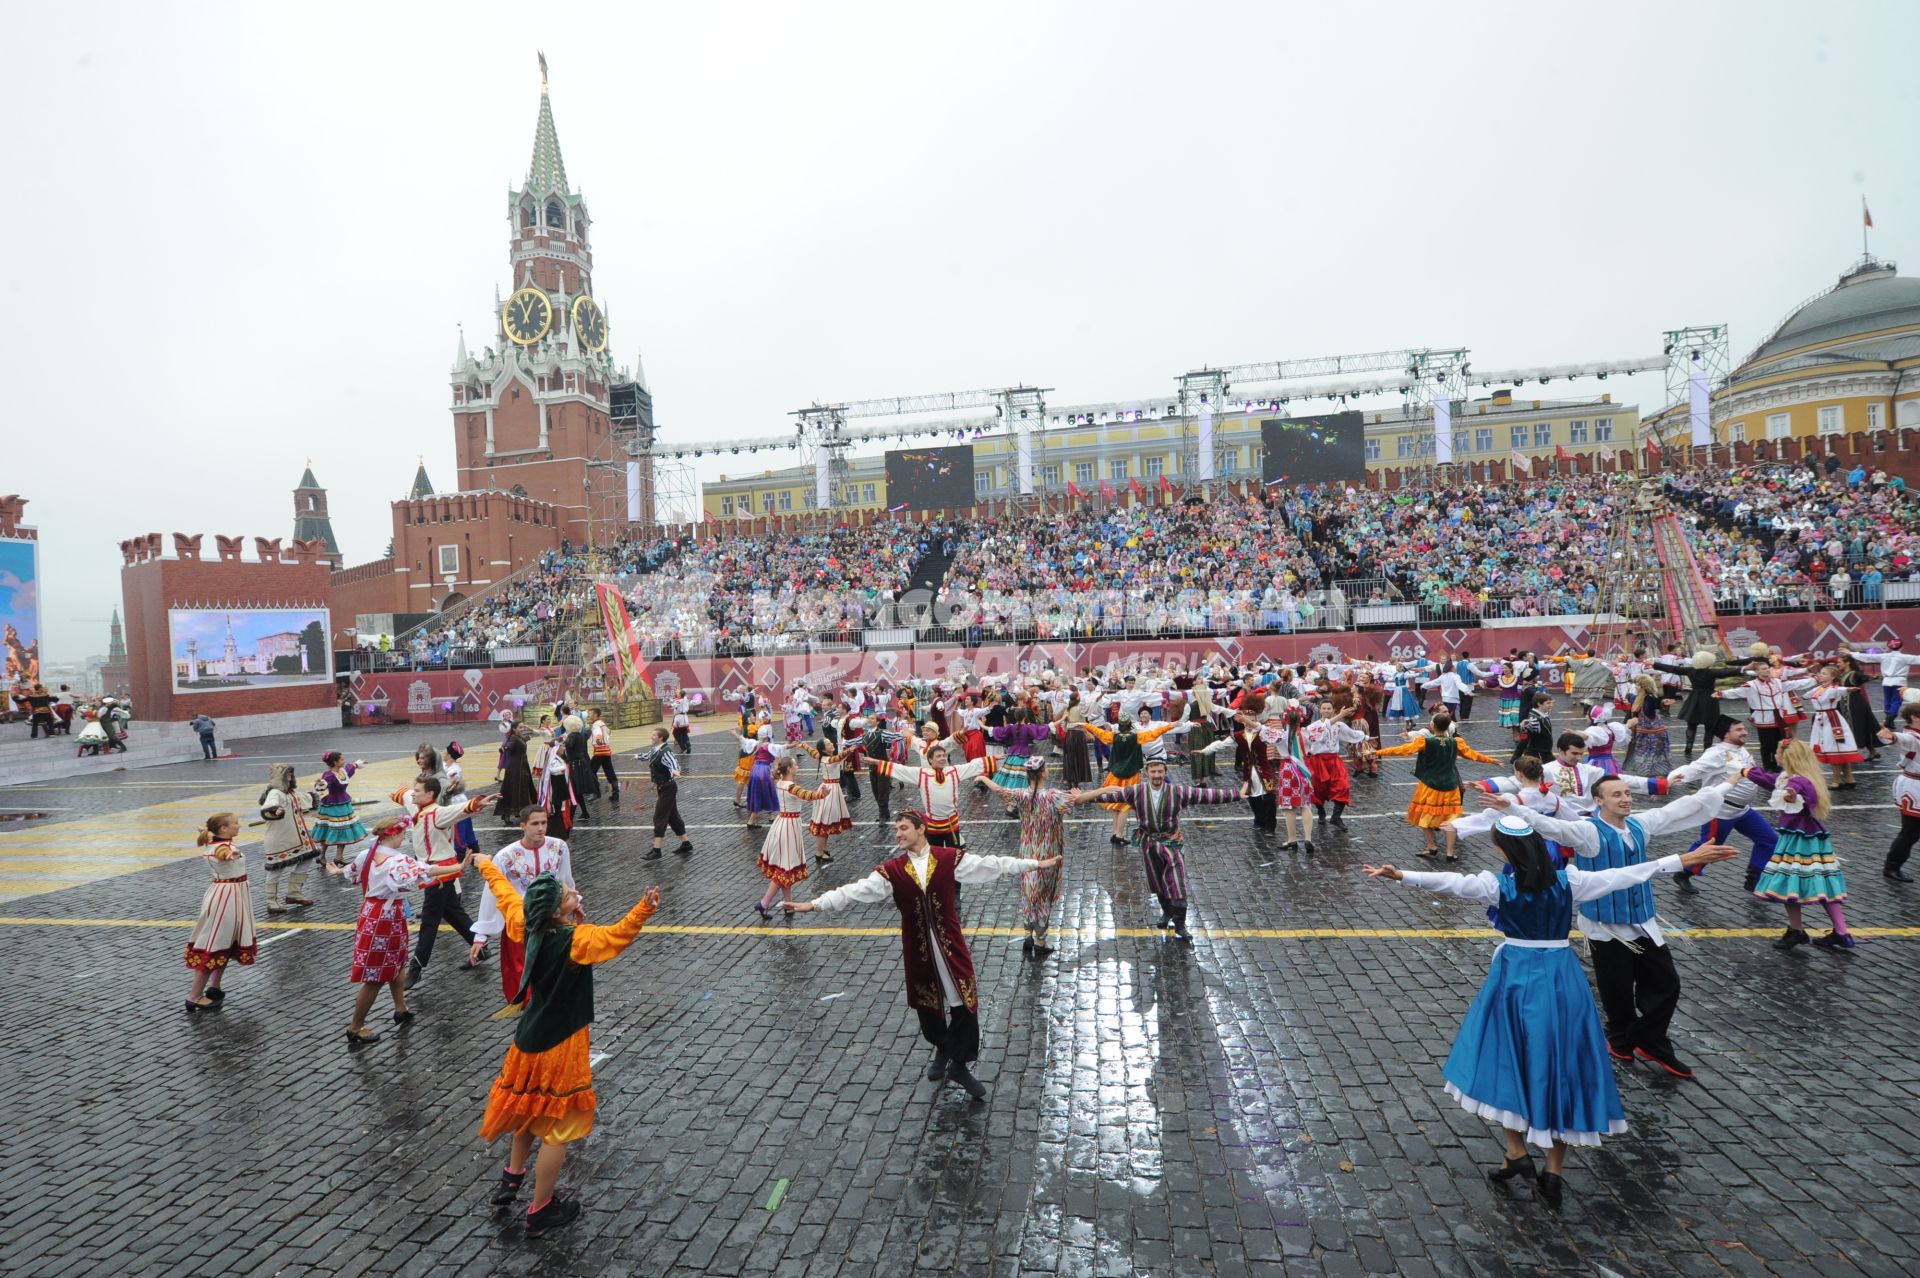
[380, 939]
[224, 932]
[783, 857]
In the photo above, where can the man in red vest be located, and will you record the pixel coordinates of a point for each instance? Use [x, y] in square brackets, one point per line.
[924, 883]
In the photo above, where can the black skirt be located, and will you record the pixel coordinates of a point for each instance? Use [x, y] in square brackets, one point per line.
[1074, 766]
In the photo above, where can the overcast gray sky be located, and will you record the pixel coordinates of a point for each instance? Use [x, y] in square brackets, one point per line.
[244, 234]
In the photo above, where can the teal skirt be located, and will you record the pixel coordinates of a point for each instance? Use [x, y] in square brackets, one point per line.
[335, 824]
[1803, 868]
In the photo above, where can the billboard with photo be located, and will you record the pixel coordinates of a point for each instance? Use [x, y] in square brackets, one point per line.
[1314, 450]
[930, 478]
[226, 649]
[20, 607]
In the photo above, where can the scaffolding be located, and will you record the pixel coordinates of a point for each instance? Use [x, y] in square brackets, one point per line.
[676, 492]
[1631, 596]
[1703, 352]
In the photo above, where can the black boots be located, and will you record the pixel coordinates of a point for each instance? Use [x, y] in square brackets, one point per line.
[958, 1073]
[1794, 936]
[1521, 1166]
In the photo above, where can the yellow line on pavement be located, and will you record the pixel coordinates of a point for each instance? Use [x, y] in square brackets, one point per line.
[1218, 933]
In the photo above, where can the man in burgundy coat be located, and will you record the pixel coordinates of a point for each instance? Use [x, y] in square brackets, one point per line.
[923, 882]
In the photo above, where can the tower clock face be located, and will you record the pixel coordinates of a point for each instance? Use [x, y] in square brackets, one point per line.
[527, 316]
[590, 324]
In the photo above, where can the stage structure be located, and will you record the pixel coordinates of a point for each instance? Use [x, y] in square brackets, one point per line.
[1699, 360]
[1429, 378]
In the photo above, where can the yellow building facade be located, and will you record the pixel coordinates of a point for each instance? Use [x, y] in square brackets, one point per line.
[1116, 452]
[1846, 362]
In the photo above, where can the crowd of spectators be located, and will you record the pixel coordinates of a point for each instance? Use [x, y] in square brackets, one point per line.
[694, 598]
[543, 601]
[1776, 537]
[1304, 558]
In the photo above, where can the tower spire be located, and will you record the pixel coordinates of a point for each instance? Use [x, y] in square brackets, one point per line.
[548, 172]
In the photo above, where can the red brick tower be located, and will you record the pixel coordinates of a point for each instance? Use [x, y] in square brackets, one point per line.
[530, 412]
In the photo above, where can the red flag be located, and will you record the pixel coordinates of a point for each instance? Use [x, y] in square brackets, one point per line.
[1073, 490]
[1559, 453]
[1652, 449]
[1106, 490]
[1138, 491]
[1164, 486]
[1866, 214]
[622, 643]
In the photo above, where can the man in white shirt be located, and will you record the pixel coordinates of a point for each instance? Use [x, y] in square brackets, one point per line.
[1894, 667]
[924, 882]
[430, 840]
[522, 861]
[1639, 988]
[1726, 760]
[1770, 705]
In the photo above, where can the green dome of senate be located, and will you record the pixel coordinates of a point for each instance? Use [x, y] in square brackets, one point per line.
[1872, 297]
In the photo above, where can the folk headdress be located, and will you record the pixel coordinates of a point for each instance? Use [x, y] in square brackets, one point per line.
[537, 907]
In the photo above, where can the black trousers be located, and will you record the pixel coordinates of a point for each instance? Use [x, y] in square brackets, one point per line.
[666, 810]
[1266, 811]
[442, 905]
[1638, 992]
[850, 784]
[604, 763]
[956, 1035]
[1903, 842]
[944, 838]
[882, 791]
[1770, 739]
[683, 739]
[1466, 705]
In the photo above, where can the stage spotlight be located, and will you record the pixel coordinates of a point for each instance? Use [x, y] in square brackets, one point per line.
[1669, 349]
[1203, 397]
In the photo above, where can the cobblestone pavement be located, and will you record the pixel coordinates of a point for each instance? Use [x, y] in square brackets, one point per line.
[1268, 1101]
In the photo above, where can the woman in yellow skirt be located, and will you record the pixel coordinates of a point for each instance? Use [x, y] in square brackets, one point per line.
[1436, 774]
[545, 1087]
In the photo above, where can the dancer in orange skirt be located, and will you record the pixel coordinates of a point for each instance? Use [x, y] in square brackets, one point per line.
[1436, 772]
[545, 1087]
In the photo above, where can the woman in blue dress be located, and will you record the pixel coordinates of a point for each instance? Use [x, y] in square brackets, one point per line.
[1531, 1054]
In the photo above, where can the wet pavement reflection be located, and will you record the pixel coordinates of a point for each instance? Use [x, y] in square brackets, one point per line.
[1266, 1101]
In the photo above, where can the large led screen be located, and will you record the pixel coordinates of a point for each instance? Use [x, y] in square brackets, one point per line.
[20, 607]
[224, 650]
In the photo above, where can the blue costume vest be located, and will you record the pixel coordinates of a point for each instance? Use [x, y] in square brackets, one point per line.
[1533, 916]
[1628, 905]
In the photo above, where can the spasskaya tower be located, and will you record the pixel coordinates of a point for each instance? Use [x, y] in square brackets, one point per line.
[530, 412]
